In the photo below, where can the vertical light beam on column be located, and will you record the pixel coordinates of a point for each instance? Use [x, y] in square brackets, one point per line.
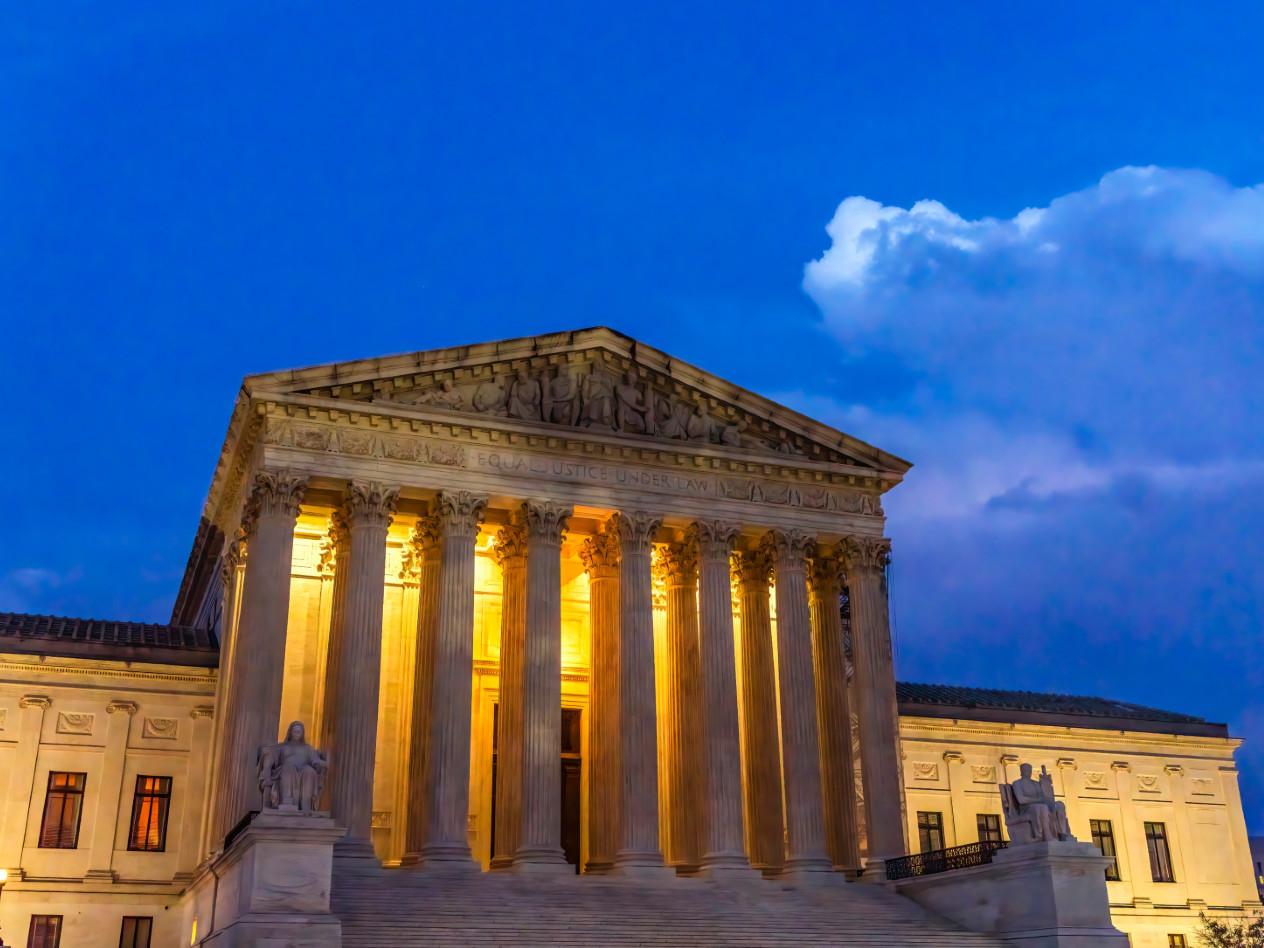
[426, 546]
[540, 846]
[448, 762]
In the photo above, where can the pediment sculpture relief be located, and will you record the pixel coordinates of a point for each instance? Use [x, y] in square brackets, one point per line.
[292, 773]
[596, 396]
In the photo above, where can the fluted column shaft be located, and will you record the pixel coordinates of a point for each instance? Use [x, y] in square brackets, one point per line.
[800, 745]
[511, 552]
[600, 555]
[865, 560]
[448, 762]
[833, 714]
[761, 750]
[232, 569]
[367, 509]
[426, 546]
[678, 565]
[540, 848]
[340, 540]
[253, 717]
[638, 797]
[721, 790]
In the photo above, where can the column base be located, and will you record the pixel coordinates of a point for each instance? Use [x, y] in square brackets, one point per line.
[100, 875]
[501, 863]
[810, 872]
[638, 865]
[529, 868]
[357, 847]
[454, 858]
[875, 871]
[599, 868]
[729, 869]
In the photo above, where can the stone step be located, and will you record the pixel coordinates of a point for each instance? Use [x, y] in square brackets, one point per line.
[403, 908]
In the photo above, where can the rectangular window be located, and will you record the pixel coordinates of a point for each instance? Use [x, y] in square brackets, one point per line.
[136, 931]
[62, 808]
[1104, 840]
[1160, 856]
[45, 932]
[1176, 941]
[930, 831]
[150, 807]
[989, 825]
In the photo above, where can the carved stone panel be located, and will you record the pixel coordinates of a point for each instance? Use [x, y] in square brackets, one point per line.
[75, 722]
[983, 773]
[925, 771]
[1095, 780]
[163, 729]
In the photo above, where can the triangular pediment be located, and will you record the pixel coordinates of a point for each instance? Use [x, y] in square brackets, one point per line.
[593, 381]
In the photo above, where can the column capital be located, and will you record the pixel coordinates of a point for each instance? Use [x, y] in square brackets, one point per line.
[865, 553]
[954, 757]
[510, 546]
[713, 539]
[825, 570]
[35, 701]
[202, 711]
[751, 568]
[369, 504]
[787, 545]
[600, 555]
[544, 520]
[676, 564]
[127, 707]
[460, 512]
[274, 493]
[635, 530]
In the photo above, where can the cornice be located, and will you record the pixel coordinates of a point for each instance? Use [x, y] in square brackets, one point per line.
[937, 730]
[19, 673]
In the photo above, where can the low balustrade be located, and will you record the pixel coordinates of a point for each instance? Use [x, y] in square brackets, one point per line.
[943, 860]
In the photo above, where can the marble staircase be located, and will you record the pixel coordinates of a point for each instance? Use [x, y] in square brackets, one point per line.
[398, 908]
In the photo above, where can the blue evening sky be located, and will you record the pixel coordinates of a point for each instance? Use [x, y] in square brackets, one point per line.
[191, 193]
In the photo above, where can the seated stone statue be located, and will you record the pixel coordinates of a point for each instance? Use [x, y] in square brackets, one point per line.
[1032, 813]
[291, 773]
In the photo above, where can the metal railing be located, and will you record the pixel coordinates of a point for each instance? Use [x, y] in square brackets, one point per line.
[943, 860]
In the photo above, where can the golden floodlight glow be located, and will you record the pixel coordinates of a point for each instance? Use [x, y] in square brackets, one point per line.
[4, 876]
[193, 934]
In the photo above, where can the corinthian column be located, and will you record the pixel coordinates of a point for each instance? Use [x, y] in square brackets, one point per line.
[511, 553]
[448, 762]
[638, 791]
[833, 714]
[426, 548]
[800, 746]
[252, 717]
[865, 560]
[761, 752]
[367, 510]
[678, 565]
[600, 555]
[340, 548]
[720, 745]
[540, 848]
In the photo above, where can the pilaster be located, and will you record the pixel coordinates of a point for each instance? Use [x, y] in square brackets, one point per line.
[22, 781]
[540, 849]
[200, 745]
[600, 555]
[800, 744]
[448, 762]
[119, 715]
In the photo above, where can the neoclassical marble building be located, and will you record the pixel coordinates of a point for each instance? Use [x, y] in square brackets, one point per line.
[553, 604]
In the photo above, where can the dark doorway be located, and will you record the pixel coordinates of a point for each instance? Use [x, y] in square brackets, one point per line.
[571, 770]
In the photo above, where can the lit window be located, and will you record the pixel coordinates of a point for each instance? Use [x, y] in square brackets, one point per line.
[45, 932]
[62, 807]
[1160, 855]
[150, 806]
[1177, 941]
[136, 931]
[1104, 840]
[930, 831]
[989, 825]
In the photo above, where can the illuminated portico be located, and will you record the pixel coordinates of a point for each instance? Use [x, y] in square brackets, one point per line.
[482, 528]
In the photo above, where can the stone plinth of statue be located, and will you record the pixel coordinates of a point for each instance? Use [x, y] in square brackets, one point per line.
[1038, 895]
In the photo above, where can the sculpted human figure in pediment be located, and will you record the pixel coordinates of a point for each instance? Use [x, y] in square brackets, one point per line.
[598, 407]
[563, 399]
[525, 397]
[632, 405]
[489, 397]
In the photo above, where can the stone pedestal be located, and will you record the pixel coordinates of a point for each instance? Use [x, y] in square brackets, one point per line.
[1040, 895]
[269, 887]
